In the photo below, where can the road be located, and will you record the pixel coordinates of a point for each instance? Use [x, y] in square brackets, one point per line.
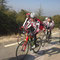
[48, 52]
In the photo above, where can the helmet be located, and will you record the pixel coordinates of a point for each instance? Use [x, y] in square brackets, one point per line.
[50, 18]
[28, 14]
[32, 15]
[46, 18]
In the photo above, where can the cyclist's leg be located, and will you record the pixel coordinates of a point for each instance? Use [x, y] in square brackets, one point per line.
[34, 36]
[47, 34]
[50, 33]
[27, 37]
[47, 31]
[35, 39]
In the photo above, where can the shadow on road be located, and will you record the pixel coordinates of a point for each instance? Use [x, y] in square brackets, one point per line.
[55, 40]
[28, 57]
[50, 51]
[55, 37]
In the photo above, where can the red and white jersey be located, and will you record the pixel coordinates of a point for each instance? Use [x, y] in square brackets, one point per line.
[26, 23]
[49, 24]
[37, 25]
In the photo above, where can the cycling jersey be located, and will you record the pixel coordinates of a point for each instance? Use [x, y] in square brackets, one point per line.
[49, 24]
[41, 24]
[25, 23]
[37, 25]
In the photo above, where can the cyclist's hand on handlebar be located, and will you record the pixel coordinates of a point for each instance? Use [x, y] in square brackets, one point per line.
[48, 30]
[21, 28]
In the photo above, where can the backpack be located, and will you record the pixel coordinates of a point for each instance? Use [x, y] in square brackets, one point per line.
[41, 24]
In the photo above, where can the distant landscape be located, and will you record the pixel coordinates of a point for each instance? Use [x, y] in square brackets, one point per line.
[10, 20]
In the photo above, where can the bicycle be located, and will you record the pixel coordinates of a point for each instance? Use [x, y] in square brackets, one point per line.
[46, 36]
[20, 37]
[25, 46]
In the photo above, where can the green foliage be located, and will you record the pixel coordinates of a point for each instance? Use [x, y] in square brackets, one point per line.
[56, 19]
[21, 16]
[3, 6]
[42, 18]
[10, 20]
[7, 23]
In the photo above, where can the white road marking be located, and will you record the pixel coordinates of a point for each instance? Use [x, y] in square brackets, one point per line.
[20, 42]
[54, 33]
[11, 44]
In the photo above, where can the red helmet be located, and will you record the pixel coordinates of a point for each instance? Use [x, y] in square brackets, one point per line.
[28, 14]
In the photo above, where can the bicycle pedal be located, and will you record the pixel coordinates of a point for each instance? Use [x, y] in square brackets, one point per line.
[22, 50]
[36, 45]
[32, 47]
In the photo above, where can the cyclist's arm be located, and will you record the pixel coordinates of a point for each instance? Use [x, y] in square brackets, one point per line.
[25, 22]
[44, 22]
[52, 25]
[37, 27]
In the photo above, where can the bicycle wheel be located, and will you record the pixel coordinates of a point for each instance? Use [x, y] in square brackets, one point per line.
[18, 40]
[39, 43]
[22, 50]
[48, 37]
[20, 37]
[44, 40]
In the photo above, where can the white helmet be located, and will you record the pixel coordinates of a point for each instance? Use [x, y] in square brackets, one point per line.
[32, 15]
[46, 18]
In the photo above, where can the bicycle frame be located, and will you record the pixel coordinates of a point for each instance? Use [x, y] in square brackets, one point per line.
[27, 41]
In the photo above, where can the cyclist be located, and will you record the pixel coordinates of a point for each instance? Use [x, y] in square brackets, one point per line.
[37, 25]
[49, 24]
[27, 18]
[26, 22]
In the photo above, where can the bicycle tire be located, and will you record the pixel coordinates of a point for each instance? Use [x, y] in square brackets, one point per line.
[43, 40]
[20, 37]
[48, 37]
[39, 41]
[20, 56]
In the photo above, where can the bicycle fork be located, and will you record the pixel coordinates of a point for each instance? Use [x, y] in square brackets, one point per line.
[24, 46]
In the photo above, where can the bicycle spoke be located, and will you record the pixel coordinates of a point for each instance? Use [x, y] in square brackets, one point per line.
[37, 48]
[21, 50]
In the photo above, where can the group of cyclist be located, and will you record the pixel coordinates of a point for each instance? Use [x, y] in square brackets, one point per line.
[34, 25]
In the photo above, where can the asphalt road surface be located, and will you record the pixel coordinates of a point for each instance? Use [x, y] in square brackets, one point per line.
[48, 52]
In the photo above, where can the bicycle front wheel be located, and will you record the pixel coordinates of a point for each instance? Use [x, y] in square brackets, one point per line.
[39, 43]
[48, 37]
[22, 50]
[44, 40]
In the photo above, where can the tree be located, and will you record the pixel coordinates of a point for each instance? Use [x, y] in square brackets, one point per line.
[3, 5]
[56, 19]
[39, 12]
[21, 16]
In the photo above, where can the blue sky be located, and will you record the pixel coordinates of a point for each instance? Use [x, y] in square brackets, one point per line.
[49, 7]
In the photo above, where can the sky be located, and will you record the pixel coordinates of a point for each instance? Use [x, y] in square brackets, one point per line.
[49, 7]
